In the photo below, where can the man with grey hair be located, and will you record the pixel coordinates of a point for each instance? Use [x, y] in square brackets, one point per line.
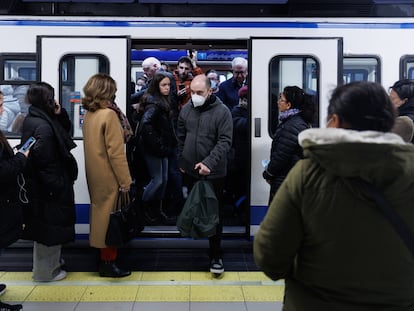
[228, 91]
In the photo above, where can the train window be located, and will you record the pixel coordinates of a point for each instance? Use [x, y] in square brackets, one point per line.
[18, 72]
[357, 68]
[407, 67]
[302, 71]
[74, 71]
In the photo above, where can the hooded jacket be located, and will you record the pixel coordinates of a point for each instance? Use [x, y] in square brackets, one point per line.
[331, 244]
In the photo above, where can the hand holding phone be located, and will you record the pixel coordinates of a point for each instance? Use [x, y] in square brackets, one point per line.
[27, 145]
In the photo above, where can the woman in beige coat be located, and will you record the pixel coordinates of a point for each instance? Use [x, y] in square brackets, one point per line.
[105, 130]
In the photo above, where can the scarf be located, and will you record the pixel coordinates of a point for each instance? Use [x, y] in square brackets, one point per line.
[286, 114]
[128, 133]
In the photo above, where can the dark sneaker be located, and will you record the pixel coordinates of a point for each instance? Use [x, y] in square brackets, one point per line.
[7, 307]
[2, 288]
[216, 266]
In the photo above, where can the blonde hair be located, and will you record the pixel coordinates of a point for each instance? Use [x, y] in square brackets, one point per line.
[98, 91]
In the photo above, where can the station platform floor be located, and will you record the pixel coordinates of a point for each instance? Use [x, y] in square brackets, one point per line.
[166, 274]
[172, 291]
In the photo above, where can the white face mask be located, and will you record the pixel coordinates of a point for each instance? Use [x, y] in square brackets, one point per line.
[198, 100]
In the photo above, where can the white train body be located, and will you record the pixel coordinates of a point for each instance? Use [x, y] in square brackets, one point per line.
[316, 54]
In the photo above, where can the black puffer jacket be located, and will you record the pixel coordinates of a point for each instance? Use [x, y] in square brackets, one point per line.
[285, 151]
[156, 128]
[50, 175]
[10, 205]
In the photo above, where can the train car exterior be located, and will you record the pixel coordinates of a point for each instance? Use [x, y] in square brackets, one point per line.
[315, 54]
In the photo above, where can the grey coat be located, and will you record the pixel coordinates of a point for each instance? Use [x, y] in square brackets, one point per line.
[205, 135]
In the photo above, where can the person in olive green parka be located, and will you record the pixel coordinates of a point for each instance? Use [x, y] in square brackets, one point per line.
[332, 245]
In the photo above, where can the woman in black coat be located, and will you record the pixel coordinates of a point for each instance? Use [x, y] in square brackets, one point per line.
[296, 113]
[11, 218]
[157, 141]
[50, 175]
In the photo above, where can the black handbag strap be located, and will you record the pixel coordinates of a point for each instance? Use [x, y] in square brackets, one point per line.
[389, 212]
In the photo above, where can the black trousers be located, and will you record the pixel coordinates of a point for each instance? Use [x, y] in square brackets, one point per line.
[215, 250]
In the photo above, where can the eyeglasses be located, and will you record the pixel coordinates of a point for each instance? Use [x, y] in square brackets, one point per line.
[280, 99]
[239, 72]
[184, 68]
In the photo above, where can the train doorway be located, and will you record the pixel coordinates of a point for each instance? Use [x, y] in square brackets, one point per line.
[313, 64]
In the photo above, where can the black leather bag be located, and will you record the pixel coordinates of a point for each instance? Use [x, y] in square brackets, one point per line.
[125, 222]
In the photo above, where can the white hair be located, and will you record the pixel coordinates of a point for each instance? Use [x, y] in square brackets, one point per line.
[149, 61]
[239, 61]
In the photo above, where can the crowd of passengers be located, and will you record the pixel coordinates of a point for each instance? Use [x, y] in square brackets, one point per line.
[184, 126]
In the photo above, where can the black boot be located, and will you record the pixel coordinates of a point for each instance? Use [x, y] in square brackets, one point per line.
[167, 219]
[111, 270]
[7, 307]
[151, 212]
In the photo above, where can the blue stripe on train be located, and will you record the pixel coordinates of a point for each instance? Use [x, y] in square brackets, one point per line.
[208, 24]
[257, 214]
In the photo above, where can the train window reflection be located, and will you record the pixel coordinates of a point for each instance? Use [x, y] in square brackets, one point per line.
[74, 71]
[407, 67]
[302, 71]
[358, 68]
[18, 72]
[17, 69]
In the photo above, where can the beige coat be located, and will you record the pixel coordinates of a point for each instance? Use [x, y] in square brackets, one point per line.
[106, 168]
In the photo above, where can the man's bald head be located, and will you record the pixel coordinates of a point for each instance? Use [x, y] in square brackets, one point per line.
[200, 84]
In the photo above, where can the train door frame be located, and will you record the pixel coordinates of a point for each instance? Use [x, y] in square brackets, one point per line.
[50, 51]
[328, 51]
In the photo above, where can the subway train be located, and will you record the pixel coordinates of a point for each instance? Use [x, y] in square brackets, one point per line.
[315, 54]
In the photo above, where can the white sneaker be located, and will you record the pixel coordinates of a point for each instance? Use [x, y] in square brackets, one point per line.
[216, 266]
[60, 276]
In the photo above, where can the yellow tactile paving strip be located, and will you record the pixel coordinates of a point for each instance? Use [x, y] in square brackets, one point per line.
[144, 287]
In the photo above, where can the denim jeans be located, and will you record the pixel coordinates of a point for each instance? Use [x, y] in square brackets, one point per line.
[158, 171]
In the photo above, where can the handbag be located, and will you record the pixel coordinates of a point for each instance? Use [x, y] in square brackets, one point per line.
[125, 223]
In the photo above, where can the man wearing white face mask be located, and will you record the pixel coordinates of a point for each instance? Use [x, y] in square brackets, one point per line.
[204, 133]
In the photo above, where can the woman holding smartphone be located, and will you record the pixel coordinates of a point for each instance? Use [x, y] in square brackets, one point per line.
[11, 165]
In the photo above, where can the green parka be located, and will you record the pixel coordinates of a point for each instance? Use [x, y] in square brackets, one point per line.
[332, 245]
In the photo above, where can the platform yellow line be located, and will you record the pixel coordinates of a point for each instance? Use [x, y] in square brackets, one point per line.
[144, 286]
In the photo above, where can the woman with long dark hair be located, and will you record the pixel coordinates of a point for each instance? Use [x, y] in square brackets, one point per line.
[11, 165]
[157, 140]
[50, 175]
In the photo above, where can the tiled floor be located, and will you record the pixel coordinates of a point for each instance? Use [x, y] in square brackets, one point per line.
[146, 291]
[167, 275]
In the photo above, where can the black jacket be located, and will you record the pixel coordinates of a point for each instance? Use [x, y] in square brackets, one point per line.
[50, 175]
[156, 129]
[285, 151]
[240, 136]
[10, 205]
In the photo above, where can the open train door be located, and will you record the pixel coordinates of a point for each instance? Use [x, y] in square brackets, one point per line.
[313, 64]
[67, 62]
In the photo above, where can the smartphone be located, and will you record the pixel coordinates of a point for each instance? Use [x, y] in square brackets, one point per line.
[28, 144]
